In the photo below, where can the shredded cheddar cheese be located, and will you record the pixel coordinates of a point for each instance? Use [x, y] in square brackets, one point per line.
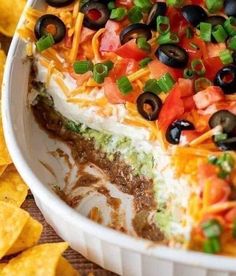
[140, 73]
[95, 44]
[62, 85]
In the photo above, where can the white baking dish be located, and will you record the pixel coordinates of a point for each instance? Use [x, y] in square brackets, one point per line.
[110, 249]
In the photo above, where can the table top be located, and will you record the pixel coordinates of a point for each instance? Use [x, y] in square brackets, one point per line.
[84, 266]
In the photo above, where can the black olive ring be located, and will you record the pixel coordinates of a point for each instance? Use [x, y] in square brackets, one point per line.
[153, 101]
[223, 118]
[226, 79]
[46, 20]
[157, 9]
[59, 3]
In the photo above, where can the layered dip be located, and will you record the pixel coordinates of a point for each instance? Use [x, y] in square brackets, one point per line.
[144, 92]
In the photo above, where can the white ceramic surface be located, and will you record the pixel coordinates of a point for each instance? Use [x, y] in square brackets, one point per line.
[110, 249]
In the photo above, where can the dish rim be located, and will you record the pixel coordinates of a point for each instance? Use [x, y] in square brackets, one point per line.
[144, 247]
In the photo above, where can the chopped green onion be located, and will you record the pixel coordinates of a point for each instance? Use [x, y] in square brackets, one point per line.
[188, 73]
[143, 44]
[211, 228]
[100, 71]
[189, 32]
[144, 5]
[109, 64]
[212, 246]
[118, 14]
[175, 3]
[220, 137]
[226, 57]
[205, 31]
[230, 26]
[163, 24]
[201, 84]
[166, 82]
[234, 230]
[226, 162]
[198, 67]
[212, 159]
[168, 38]
[219, 33]
[214, 6]
[194, 46]
[45, 42]
[231, 43]
[144, 62]
[124, 85]
[111, 5]
[152, 86]
[135, 15]
[83, 66]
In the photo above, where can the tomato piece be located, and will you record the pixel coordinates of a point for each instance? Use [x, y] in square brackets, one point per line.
[231, 215]
[86, 34]
[175, 16]
[124, 3]
[131, 50]
[158, 69]
[206, 170]
[189, 103]
[187, 136]
[186, 87]
[114, 95]
[214, 49]
[68, 41]
[195, 47]
[123, 67]
[230, 106]
[110, 40]
[212, 65]
[220, 190]
[210, 95]
[172, 109]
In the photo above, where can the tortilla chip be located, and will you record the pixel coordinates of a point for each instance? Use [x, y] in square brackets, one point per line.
[2, 64]
[29, 236]
[5, 158]
[2, 169]
[64, 268]
[2, 265]
[12, 221]
[10, 13]
[12, 188]
[38, 260]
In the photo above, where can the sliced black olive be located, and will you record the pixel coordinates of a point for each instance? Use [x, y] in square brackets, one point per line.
[194, 14]
[149, 105]
[174, 130]
[230, 7]
[50, 23]
[96, 15]
[134, 31]
[226, 79]
[172, 55]
[157, 9]
[215, 20]
[234, 57]
[59, 3]
[227, 144]
[223, 118]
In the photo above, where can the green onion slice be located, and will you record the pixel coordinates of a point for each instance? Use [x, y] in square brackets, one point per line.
[111, 5]
[163, 24]
[230, 26]
[219, 33]
[118, 14]
[211, 228]
[144, 5]
[124, 85]
[201, 84]
[143, 44]
[144, 62]
[166, 82]
[231, 43]
[135, 15]
[168, 38]
[45, 42]
[212, 246]
[188, 73]
[109, 64]
[198, 67]
[226, 56]
[152, 86]
[83, 66]
[214, 6]
[100, 71]
[205, 31]
[175, 3]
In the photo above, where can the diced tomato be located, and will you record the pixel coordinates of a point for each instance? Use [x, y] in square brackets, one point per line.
[195, 47]
[186, 87]
[189, 103]
[158, 69]
[110, 40]
[231, 215]
[230, 106]
[172, 109]
[214, 49]
[220, 190]
[68, 41]
[206, 170]
[124, 3]
[114, 95]
[187, 136]
[210, 95]
[177, 21]
[198, 2]
[212, 65]
[131, 50]
[123, 67]
[86, 34]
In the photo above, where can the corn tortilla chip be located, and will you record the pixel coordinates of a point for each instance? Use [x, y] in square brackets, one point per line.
[12, 221]
[12, 188]
[10, 13]
[64, 268]
[5, 158]
[39, 260]
[2, 265]
[2, 64]
[2, 169]
[28, 237]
